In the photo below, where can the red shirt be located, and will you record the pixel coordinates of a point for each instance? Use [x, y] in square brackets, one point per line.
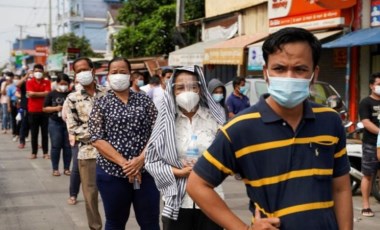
[35, 104]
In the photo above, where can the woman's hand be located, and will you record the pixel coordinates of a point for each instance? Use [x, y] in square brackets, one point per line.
[58, 108]
[183, 172]
[72, 140]
[132, 178]
[133, 167]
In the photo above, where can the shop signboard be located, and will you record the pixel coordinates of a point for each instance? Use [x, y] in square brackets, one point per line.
[305, 14]
[375, 13]
[255, 58]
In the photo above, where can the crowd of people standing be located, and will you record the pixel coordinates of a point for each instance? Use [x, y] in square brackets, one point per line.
[180, 137]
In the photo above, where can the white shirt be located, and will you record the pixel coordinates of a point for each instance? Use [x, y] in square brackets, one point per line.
[205, 127]
[157, 95]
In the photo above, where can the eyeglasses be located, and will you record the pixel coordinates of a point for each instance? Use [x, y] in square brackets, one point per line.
[186, 86]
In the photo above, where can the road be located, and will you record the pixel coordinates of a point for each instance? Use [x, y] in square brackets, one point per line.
[31, 198]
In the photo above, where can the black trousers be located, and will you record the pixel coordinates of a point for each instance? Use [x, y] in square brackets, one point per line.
[37, 121]
[15, 124]
[190, 219]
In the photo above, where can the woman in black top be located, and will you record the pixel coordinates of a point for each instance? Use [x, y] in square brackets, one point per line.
[57, 127]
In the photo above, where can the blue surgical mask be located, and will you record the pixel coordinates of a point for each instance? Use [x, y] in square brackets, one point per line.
[140, 83]
[243, 90]
[217, 97]
[287, 91]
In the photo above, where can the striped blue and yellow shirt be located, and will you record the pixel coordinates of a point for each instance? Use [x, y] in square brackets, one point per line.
[288, 174]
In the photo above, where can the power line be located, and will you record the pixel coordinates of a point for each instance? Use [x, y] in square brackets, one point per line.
[28, 7]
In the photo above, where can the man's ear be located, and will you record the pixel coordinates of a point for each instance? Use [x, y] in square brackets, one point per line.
[316, 74]
[265, 73]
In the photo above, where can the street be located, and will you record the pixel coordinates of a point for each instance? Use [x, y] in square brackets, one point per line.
[31, 198]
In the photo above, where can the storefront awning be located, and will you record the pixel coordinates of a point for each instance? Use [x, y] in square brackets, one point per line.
[190, 55]
[231, 52]
[368, 36]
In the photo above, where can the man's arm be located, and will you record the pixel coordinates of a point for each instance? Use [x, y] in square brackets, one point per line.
[216, 209]
[343, 202]
[37, 94]
[211, 204]
[371, 127]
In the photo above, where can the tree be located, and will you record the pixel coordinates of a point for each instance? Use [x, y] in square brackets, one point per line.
[149, 27]
[70, 40]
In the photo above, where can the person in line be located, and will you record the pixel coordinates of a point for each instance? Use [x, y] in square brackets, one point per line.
[80, 103]
[57, 127]
[75, 182]
[154, 81]
[120, 126]
[158, 92]
[137, 81]
[237, 101]
[6, 118]
[37, 89]
[369, 113]
[218, 92]
[187, 111]
[13, 104]
[290, 152]
[24, 123]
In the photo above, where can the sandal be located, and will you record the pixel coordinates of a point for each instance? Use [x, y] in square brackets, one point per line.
[33, 156]
[56, 173]
[72, 201]
[46, 156]
[67, 172]
[367, 212]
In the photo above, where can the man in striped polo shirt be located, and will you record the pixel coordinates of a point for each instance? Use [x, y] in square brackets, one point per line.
[290, 152]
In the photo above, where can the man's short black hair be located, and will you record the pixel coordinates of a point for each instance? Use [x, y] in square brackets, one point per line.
[89, 62]
[9, 74]
[38, 66]
[120, 59]
[287, 35]
[373, 77]
[165, 71]
[237, 80]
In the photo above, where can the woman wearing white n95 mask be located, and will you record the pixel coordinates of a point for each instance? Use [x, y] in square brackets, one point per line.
[188, 114]
[120, 126]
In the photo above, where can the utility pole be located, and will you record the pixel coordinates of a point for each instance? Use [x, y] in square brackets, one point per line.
[50, 31]
[20, 42]
[180, 12]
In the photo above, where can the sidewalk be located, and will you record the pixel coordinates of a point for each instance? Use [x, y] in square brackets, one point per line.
[31, 198]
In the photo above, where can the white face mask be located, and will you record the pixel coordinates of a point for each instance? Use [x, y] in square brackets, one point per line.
[187, 100]
[85, 77]
[119, 82]
[63, 88]
[377, 90]
[38, 75]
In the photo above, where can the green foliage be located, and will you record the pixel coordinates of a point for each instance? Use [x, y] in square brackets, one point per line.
[70, 40]
[148, 30]
[194, 9]
[150, 24]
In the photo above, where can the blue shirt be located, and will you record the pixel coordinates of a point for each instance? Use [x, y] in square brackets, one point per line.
[11, 92]
[126, 126]
[236, 104]
[287, 174]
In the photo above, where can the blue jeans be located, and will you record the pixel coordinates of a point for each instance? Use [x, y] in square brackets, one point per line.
[6, 120]
[118, 195]
[75, 176]
[59, 140]
[24, 128]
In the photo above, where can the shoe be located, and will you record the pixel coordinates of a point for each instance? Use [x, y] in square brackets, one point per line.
[67, 172]
[33, 156]
[72, 200]
[367, 212]
[56, 173]
[15, 138]
[21, 146]
[4, 131]
[26, 139]
[46, 156]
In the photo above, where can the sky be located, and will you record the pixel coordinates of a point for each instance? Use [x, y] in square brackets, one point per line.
[27, 13]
